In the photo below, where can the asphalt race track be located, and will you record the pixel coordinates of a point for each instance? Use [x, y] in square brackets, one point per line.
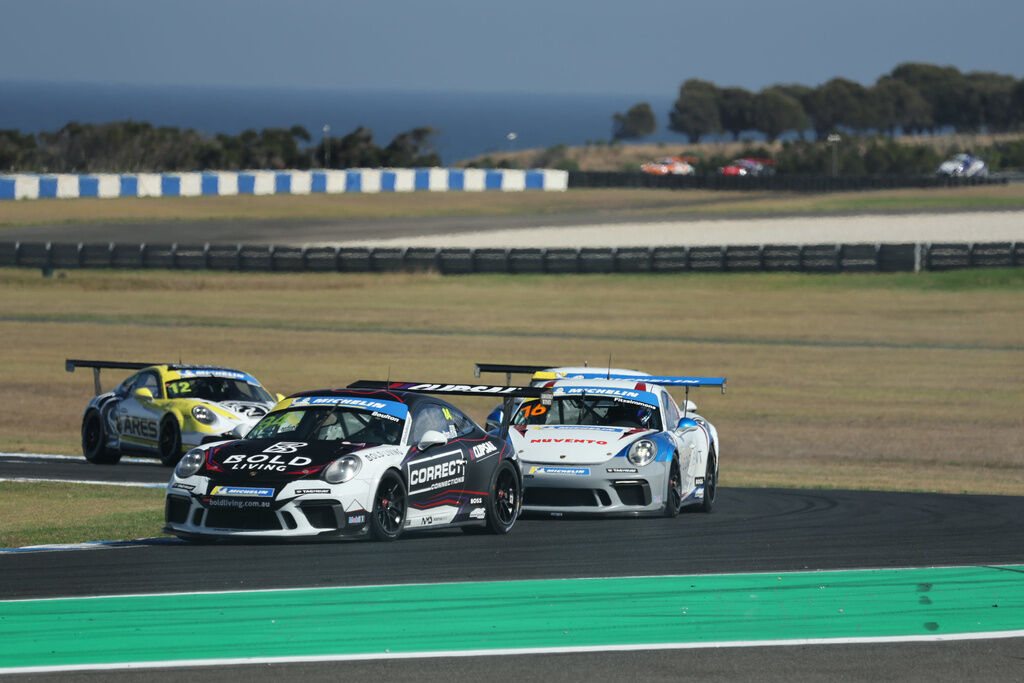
[751, 530]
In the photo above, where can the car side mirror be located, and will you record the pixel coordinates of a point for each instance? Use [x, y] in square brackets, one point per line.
[686, 424]
[432, 437]
[280, 397]
[143, 394]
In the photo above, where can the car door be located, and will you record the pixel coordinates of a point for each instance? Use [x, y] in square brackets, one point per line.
[436, 475]
[138, 419]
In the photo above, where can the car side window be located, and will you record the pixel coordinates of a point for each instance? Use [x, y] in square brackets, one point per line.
[148, 380]
[463, 425]
[671, 413]
[428, 416]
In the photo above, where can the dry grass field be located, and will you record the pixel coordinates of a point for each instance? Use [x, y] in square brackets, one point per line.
[910, 382]
[600, 202]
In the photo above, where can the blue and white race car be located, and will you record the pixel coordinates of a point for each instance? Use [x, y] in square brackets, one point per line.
[616, 444]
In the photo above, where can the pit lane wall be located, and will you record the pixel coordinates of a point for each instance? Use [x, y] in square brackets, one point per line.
[225, 183]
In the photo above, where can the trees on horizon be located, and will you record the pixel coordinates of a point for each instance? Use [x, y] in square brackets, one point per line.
[132, 147]
[913, 97]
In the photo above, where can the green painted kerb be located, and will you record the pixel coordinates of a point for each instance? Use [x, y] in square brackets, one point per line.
[510, 615]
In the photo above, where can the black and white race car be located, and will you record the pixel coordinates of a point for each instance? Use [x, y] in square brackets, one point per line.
[376, 458]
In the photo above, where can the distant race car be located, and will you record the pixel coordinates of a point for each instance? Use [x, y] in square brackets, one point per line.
[618, 445]
[374, 459]
[749, 166]
[670, 166]
[164, 409]
[963, 166]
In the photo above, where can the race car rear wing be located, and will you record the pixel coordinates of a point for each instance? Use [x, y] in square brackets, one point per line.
[507, 393]
[97, 365]
[509, 370]
[663, 380]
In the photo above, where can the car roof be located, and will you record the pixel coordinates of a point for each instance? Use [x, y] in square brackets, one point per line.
[410, 398]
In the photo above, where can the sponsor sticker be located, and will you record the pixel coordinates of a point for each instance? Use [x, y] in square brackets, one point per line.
[238, 503]
[439, 471]
[698, 481]
[355, 520]
[477, 513]
[306, 492]
[242, 491]
[483, 450]
[544, 469]
[137, 427]
[644, 396]
[621, 470]
[185, 487]
[229, 374]
[274, 458]
[392, 408]
[571, 441]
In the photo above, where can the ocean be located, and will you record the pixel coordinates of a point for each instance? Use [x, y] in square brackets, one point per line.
[470, 124]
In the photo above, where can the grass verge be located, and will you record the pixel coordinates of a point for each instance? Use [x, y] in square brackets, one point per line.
[77, 513]
[661, 203]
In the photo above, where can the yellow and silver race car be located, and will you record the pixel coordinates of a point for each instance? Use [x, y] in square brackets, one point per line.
[165, 409]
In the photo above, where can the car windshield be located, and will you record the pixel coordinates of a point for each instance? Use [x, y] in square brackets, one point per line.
[217, 389]
[607, 411]
[330, 423]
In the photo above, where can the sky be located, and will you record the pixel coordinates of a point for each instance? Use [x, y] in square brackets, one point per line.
[640, 47]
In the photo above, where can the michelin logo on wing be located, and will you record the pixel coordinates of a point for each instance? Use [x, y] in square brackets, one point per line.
[338, 401]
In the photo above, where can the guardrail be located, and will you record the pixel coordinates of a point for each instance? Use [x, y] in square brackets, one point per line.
[793, 183]
[810, 258]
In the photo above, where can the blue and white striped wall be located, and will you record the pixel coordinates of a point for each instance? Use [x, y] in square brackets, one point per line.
[66, 186]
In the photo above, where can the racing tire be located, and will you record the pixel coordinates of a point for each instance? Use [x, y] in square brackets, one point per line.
[673, 489]
[170, 442]
[710, 482]
[504, 499]
[94, 441]
[389, 508]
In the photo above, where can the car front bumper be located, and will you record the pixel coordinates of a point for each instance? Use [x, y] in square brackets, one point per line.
[611, 488]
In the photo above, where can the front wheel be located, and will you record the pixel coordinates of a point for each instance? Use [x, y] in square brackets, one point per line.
[94, 441]
[710, 481]
[504, 499]
[170, 442]
[389, 507]
[674, 490]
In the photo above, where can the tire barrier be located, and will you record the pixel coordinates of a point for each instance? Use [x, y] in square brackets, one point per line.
[226, 183]
[809, 258]
[792, 183]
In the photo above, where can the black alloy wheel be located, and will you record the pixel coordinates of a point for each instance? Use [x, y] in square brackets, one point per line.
[94, 441]
[674, 489]
[170, 442]
[389, 507]
[710, 482]
[504, 499]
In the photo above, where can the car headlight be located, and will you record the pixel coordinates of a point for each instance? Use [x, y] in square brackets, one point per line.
[342, 469]
[642, 452]
[204, 415]
[191, 463]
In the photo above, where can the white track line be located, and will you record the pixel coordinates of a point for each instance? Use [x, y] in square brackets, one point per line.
[79, 458]
[142, 484]
[515, 651]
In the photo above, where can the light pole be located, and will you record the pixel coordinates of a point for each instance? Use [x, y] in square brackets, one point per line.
[833, 141]
[327, 145]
